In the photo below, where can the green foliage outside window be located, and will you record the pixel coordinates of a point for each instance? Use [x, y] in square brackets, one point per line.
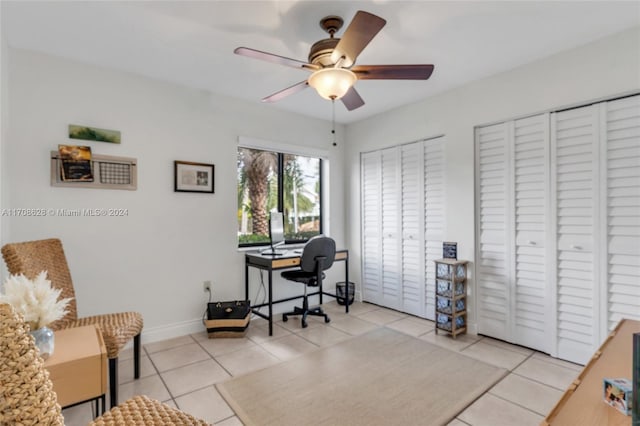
[270, 181]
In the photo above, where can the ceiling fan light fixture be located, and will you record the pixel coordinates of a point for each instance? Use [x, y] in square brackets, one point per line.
[332, 83]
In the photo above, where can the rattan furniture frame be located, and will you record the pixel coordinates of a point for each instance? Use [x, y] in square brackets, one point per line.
[32, 257]
[27, 396]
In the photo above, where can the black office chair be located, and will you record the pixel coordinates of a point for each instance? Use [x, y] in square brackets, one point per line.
[317, 256]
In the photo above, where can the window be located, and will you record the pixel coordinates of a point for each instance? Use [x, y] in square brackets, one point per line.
[273, 181]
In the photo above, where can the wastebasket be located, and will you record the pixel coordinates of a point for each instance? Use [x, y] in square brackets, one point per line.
[340, 292]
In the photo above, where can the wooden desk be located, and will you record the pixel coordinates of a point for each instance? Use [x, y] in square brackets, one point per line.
[582, 404]
[290, 259]
[78, 366]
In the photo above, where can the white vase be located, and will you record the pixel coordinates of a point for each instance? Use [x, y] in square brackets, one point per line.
[44, 338]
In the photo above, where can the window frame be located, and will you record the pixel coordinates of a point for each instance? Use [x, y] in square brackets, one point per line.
[281, 150]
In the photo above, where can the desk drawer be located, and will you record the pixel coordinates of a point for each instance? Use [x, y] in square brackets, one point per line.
[341, 255]
[286, 263]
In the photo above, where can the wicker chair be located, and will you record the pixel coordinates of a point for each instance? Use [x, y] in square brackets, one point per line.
[27, 396]
[32, 257]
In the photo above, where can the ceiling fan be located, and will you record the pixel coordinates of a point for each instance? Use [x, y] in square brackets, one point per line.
[331, 61]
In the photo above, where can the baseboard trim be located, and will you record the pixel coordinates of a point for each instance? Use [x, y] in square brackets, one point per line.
[472, 328]
[169, 331]
[178, 329]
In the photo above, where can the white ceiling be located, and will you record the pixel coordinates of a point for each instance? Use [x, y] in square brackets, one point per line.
[192, 42]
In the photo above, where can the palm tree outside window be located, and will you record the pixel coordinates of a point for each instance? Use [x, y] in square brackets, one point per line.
[272, 181]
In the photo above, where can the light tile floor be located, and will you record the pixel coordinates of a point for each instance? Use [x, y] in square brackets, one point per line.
[182, 371]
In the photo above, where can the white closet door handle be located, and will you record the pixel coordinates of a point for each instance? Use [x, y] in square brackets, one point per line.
[531, 243]
[574, 247]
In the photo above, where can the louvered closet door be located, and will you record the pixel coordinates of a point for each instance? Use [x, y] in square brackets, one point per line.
[531, 310]
[434, 218]
[493, 235]
[371, 227]
[391, 236]
[413, 287]
[575, 183]
[622, 271]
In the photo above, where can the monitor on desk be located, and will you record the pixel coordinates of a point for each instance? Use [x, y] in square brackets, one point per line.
[276, 233]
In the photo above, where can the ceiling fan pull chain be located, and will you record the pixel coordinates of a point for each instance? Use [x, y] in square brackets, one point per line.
[333, 121]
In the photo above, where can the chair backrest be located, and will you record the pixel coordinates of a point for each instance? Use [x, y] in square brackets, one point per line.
[32, 257]
[315, 247]
[26, 394]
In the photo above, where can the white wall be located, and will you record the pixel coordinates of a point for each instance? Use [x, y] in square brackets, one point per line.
[602, 69]
[154, 260]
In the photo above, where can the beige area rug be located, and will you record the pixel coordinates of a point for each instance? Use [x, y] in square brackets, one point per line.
[380, 378]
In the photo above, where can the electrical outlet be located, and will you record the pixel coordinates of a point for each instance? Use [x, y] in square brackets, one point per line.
[206, 286]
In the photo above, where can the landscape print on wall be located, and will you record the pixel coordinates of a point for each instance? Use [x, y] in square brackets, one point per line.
[93, 134]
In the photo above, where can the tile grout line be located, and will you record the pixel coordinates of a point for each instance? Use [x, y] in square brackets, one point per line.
[541, 383]
[511, 371]
[214, 358]
[523, 361]
[543, 358]
[514, 403]
[155, 367]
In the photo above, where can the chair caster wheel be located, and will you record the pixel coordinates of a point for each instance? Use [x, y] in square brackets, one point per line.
[304, 324]
[285, 318]
[327, 320]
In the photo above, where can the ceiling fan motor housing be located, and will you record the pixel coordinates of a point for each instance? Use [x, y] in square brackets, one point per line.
[320, 53]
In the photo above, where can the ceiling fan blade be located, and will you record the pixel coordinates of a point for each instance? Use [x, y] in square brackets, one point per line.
[286, 92]
[276, 59]
[352, 99]
[356, 37]
[393, 72]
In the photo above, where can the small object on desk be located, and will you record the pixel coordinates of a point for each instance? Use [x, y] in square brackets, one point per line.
[617, 393]
[273, 253]
[297, 251]
[276, 234]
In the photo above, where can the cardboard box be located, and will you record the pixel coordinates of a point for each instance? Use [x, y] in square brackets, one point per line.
[582, 403]
[78, 366]
[617, 393]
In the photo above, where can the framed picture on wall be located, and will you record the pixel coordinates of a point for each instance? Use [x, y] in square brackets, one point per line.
[449, 250]
[193, 177]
